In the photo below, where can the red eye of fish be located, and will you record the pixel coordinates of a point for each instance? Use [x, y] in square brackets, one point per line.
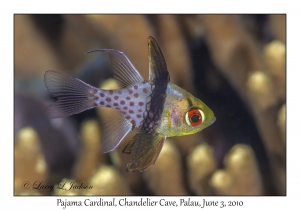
[194, 117]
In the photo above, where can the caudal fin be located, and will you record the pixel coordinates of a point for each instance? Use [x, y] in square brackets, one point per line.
[73, 95]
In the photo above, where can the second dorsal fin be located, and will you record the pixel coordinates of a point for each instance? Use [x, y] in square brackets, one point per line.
[158, 72]
[123, 70]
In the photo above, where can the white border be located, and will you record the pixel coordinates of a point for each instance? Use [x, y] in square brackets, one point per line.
[154, 6]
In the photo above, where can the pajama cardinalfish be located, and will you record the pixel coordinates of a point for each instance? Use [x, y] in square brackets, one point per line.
[157, 107]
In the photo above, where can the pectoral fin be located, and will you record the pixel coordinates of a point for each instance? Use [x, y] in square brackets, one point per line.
[145, 151]
[129, 147]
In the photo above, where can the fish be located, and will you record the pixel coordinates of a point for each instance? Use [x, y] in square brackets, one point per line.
[156, 107]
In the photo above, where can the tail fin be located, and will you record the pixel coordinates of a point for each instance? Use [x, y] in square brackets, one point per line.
[73, 95]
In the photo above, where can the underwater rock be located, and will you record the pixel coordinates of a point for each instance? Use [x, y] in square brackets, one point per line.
[30, 165]
[193, 29]
[126, 33]
[264, 106]
[91, 156]
[222, 182]
[173, 45]
[166, 176]
[237, 56]
[260, 90]
[278, 26]
[274, 57]
[186, 143]
[107, 181]
[242, 166]
[282, 122]
[232, 49]
[58, 137]
[33, 53]
[74, 40]
[201, 164]
[109, 84]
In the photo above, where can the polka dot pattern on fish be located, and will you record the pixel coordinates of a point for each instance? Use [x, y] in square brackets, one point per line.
[119, 99]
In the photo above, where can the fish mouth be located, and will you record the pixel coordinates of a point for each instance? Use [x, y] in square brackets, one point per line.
[213, 120]
[210, 122]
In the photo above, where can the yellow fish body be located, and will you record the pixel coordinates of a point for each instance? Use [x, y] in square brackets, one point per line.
[158, 108]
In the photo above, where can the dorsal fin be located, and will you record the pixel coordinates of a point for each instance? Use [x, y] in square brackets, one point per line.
[159, 77]
[123, 70]
[158, 72]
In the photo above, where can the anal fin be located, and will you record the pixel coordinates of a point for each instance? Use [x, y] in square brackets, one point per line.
[145, 149]
[115, 128]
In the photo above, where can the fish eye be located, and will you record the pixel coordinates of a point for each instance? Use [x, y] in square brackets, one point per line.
[194, 117]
